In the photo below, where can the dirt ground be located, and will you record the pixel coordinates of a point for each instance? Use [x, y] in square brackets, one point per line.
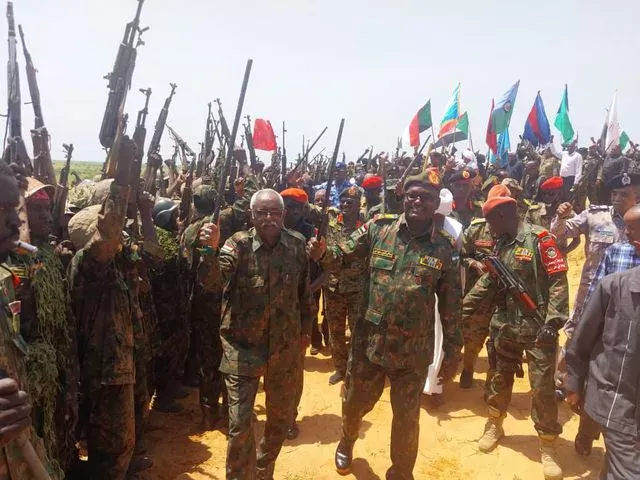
[447, 439]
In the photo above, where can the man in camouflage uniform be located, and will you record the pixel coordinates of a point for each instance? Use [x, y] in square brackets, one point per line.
[103, 307]
[372, 186]
[267, 314]
[408, 265]
[460, 184]
[204, 313]
[531, 253]
[342, 292]
[393, 202]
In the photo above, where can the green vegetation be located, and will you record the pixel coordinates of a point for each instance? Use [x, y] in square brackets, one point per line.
[85, 170]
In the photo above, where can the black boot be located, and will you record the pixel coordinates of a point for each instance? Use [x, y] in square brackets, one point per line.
[344, 456]
[466, 379]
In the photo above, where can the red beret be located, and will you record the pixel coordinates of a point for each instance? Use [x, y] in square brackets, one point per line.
[39, 196]
[553, 183]
[296, 194]
[498, 195]
[372, 183]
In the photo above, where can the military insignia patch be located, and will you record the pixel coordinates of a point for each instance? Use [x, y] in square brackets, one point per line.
[522, 253]
[227, 249]
[361, 231]
[432, 262]
[433, 177]
[484, 243]
[377, 252]
[551, 252]
[552, 259]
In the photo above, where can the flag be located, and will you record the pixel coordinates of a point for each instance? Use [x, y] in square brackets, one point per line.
[263, 136]
[501, 114]
[537, 129]
[492, 138]
[501, 157]
[624, 140]
[451, 114]
[603, 134]
[458, 132]
[613, 125]
[562, 121]
[419, 123]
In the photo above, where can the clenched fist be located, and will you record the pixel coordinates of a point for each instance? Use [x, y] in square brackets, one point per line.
[209, 236]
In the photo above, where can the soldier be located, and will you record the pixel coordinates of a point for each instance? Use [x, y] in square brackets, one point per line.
[460, 184]
[549, 198]
[339, 184]
[372, 186]
[517, 193]
[104, 311]
[204, 314]
[531, 253]
[267, 315]
[318, 333]
[407, 265]
[393, 201]
[342, 292]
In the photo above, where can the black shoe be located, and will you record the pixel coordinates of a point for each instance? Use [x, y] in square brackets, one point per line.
[167, 406]
[139, 464]
[293, 431]
[344, 456]
[466, 379]
[583, 445]
[315, 350]
[337, 377]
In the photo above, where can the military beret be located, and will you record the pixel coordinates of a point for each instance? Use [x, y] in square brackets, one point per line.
[622, 180]
[512, 184]
[463, 175]
[295, 194]
[351, 192]
[498, 195]
[372, 183]
[430, 177]
[553, 183]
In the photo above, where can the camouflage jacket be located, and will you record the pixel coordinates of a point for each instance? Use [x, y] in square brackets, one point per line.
[102, 304]
[377, 210]
[267, 303]
[602, 226]
[476, 242]
[467, 213]
[535, 258]
[349, 278]
[402, 276]
[538, 214]
[549, 166]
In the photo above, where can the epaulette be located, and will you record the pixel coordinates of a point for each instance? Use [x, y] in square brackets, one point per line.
[296, 234]
[385, 216]
[534, 206]
[528, 203]
[447, 236]
[540, 232]
[478, 221]
[598, 208]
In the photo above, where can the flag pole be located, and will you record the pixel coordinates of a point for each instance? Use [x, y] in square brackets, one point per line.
[470, 139]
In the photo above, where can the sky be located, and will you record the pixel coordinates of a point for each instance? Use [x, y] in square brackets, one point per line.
[372, 62]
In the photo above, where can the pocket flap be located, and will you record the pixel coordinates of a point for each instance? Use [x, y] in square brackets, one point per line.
[373, 316]
[382, 263]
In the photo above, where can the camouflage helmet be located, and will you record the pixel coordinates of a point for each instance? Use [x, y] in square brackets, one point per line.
[163, 212]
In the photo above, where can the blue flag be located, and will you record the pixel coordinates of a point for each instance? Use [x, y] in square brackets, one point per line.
[504, 145]
[537, 129]
[501, 114]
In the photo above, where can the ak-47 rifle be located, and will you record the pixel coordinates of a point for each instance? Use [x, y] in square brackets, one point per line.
[43, 166]
[181, 143]
[186, 197]
[154, 160]
[120, 78]
[62, 190]
[283, 157]
[227, 162]
[415, 159]
[301, 161]
[139, 137]
[383, 174]
[322, 231]
[223, 126]
[253, 159]
[361, 157]
[207, 148]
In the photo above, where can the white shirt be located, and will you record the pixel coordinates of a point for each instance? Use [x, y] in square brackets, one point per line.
[570, 164]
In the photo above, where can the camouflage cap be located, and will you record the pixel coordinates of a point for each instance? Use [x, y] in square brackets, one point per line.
[204, 198]
[429, 178]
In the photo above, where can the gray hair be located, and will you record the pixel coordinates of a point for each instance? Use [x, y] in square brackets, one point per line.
[263, 193]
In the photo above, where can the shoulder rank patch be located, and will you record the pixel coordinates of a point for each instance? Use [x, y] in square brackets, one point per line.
[525, 254]
[385, 216]
[378, 252]
[360, 231]
[552, 259]
[447, 236]
[432, 262]
[478, 221]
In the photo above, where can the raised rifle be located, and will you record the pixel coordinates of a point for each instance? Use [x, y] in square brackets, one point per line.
[60, 196]
[139, 137]
[283, 157]
[222, 181]
[120, 78]
[181, 143]
[154, 160]
[383, 174]
[223, 125]
[322, 231]
[253, 159]
[207, 148]
[304, 158]
[412, 163]
[43, 166]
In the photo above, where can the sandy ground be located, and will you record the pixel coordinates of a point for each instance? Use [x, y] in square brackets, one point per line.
[447, 439]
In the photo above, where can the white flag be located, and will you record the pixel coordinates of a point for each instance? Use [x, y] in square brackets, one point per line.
[613, 125]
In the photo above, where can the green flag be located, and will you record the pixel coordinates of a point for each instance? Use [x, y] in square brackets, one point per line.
[562, 121]
[459, 133]
[624, 140]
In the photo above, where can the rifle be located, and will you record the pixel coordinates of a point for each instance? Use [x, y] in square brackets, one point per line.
[181, 143]
[283, 158]
[249, 136]
[207, 147]
[322, 231]
[43, 165]
[119, 79]
[223, 125]
[514, 286]
[383, 172]
[412, 163]
[186, 198]
[227, 162]
[154, 160]
[139, 137]
[361, 157]
[60, 196]
[306, 153]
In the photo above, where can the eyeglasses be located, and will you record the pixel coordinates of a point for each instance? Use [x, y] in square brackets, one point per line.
[424, 197]
[267, 213]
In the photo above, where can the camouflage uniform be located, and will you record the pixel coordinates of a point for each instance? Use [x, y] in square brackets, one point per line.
[104, 310]
[534, 257]
[549, 166]
[465, 213]
[267, 307]
[477, 241]
[342, 294]
[602, 226]
[204, 317]
[395, 336]
[377, 210]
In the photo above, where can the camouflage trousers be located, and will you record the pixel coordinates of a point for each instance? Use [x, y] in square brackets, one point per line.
[299, 383]
[318, 332]
[280, 388]
[141, 397]
[363, 387]
[209, 354]
[541, 366]
[110, 432]
[475, 330]
[340, 310]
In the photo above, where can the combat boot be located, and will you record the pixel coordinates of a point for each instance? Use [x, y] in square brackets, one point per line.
[549, 457]
[493, 431]
[344, 456]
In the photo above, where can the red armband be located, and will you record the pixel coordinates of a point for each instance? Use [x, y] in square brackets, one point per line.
[552, 259]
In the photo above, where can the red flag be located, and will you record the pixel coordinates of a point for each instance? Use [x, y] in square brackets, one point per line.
[263, 136]
[492, 138]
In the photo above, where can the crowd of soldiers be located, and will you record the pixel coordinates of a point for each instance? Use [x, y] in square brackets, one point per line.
[136, 299]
